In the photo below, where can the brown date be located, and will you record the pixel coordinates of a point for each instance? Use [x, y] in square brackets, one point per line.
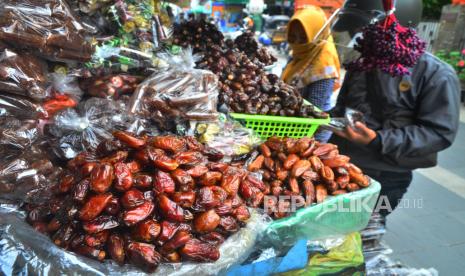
[96, 240]
[168, 229]
[228, 224]
[323, 149]
[224, 208]
[146, 231]
[66, 184]
[241, 213]
[101, 177]
[256, 164]
[198, 251]
[115, 246]
[339, 192]
[189, 158]
[132, 199]
[170, 143]
[143, 181]
[197, 171]
[320, 193]
[206, 221]
[342, 181]
[87, 168]
[113, 207]
[170, 210]
[143, 255]
[232, 179]
[100, 224]
[290, 161]
[211, 178]
[352, 187]
[300, 167]
[163, 183]
[118, 156]
[193, 144]
[184, 199]
[165, 163]
[294, 186]
[316, 163]
[172, 257]
[183, 179]
[213, 238]
[327, 174]
[123, 177]
[338, 161]
[90, 252]
[309, 191]
[210, 196]
[269, 164]
[129, 139]
[94, 206]
[138, 214]
[218, 167]
[265, 150]
[80, 190]
[179, 240]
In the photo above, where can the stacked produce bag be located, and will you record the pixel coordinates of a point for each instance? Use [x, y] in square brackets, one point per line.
[118, 152]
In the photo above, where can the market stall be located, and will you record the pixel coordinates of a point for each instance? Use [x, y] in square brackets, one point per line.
[134, 146]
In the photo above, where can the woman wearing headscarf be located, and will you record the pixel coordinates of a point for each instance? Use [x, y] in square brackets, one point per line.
[314, 67]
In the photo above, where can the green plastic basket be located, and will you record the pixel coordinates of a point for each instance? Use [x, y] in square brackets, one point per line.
[267, 126]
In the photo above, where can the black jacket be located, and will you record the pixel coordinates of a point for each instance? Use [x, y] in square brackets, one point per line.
[414, 116]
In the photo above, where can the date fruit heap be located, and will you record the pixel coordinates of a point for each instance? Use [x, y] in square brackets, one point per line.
[247, 43]
[388, 46]
[303, 167]
[144, 201]
[244, 85]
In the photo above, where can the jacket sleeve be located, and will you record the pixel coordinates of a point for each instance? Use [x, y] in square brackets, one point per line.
[436, 123]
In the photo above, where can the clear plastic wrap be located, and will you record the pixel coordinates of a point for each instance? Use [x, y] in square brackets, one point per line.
[46, 26]
[25, 251]
[227, 136]
[20, 107]
[23, 74]
[83, 128]
[337, 215]
[110, 86]
[180, 93]
[17, 133]
[66, 84]
[28, 176]
[344, 257]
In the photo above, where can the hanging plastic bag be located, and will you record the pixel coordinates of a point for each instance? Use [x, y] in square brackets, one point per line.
[75, 130]
[24, 250]
[46, 26]
[66, 84]
[181, 93]
[23, 74]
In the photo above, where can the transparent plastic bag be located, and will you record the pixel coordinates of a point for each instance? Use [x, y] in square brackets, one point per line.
[22, 108]
[25, 251]
[337, 215]
[227, 136]
[27, 176]
[17, 133]
[110, 86]
[46, 26]
[23, 74]
[82, 129]
[66, 84]
[340, 257]
[181, 93]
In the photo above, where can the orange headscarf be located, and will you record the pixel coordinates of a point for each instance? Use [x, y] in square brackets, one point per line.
[317, 59]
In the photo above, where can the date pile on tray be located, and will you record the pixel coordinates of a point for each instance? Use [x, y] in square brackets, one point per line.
[145, 200]
[245, 87]
[302, 167]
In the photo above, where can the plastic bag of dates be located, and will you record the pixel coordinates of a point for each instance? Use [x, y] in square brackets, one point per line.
[23, 74]
[310, 189]
[26, 176]
[46, 26]
[74, 130]
[144, 201]
[180, 93]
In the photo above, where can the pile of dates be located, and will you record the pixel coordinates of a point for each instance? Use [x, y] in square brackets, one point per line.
[305, 168]
[145, 200]
[198, 34]
[244, 85]
[247, 43]
[246, 88]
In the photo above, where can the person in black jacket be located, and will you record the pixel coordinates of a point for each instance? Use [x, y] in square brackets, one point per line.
[408, 120]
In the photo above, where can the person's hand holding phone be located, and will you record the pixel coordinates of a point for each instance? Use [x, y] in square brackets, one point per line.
[359, 134]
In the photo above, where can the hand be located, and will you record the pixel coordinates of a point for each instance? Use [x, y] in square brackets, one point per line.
[361, 134]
